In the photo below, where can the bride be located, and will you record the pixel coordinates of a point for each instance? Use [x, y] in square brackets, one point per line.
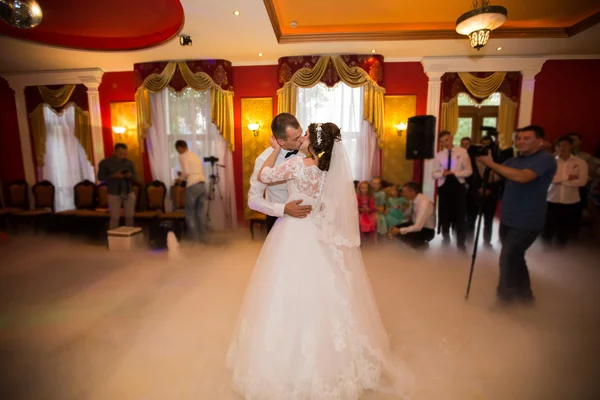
[309, 327]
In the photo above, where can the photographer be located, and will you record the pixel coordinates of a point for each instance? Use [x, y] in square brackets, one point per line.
[192, 172]
[528, 177]
[118, 172]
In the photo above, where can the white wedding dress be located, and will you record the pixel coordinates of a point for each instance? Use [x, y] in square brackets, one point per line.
[309, 326]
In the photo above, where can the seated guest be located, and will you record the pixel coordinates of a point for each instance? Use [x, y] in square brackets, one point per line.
[421, 229]
[398, 208]
[563, 196]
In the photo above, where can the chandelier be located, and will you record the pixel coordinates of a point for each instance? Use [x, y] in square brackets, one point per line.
[23, 14]
[480, 21]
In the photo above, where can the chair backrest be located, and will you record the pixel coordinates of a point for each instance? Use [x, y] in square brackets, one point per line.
[156, 192]
[43, 194]
[102, 195]
[178, 195]
[18, 194]
[85, 195]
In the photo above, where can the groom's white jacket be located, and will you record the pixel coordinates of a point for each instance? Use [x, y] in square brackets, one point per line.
[277, 195]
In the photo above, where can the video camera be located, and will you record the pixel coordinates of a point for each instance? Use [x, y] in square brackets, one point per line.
[212, 160]
[478, 150]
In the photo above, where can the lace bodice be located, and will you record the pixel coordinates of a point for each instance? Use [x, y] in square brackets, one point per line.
[303, 182]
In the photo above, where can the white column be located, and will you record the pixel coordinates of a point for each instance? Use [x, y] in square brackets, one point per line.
[25, 138]
[526, 100]
[95, 121]
[434, 94]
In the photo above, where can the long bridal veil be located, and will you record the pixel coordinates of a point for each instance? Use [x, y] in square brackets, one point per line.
[338, 228]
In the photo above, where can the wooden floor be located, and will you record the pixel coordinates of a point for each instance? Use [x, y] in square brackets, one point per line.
[79, 322]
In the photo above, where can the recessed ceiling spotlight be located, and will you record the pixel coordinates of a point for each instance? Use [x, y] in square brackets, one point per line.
[260, 54]
[236, 12]
[373, 51]
[499, 48]
[293, 24]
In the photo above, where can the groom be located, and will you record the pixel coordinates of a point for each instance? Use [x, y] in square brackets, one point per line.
[288, 133]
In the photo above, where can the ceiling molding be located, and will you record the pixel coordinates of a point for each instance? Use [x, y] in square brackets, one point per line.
[537, 33]
[89, 77]
[440, 65]
[273, 18]
[446, 34]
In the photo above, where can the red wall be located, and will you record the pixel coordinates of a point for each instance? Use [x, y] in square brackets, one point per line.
[117, 86]
[257, 81]
[566, 100]
[11, 161]
[408, 78]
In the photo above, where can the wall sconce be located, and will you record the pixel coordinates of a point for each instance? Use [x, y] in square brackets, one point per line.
[119, 130]
[400, 128]
[255, 128]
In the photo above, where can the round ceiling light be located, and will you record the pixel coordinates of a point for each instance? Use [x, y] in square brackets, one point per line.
[479, 22]
[24, 14]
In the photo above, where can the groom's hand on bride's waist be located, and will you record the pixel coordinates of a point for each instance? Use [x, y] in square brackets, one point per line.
[296, 210]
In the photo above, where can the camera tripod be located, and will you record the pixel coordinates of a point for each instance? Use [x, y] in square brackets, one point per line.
[484, 186]
[213, 188]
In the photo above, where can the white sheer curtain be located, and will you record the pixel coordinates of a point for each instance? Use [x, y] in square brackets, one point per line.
[186, 116]
[65, 162]
[343, 106]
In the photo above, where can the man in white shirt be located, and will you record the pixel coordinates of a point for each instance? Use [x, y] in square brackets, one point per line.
[289, 136]
[421, 229]
[192, 172]
[563, 195]
[451, 166]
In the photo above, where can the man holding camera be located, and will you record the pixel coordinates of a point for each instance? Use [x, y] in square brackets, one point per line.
[119, 173]
[523, 213]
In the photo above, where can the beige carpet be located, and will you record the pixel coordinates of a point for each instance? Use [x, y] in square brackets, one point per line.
[78, 322]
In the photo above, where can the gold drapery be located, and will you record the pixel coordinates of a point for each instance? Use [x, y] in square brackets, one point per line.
[82, 132]
[56, 98]
[221, 100]
[351, 76]
[482, 87]
[449, 117]
[507, 114]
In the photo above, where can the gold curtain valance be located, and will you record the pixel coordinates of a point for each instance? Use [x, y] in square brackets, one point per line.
[82, 131]
[56, 98]
[352, 76]
[221, 100]
[482, 87]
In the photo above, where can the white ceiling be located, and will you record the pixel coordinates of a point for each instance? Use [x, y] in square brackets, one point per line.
[217, 33]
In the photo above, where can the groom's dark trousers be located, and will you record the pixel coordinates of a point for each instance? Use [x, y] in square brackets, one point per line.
[270, 222]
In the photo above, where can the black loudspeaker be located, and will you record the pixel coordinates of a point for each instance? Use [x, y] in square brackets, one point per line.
[420, 137]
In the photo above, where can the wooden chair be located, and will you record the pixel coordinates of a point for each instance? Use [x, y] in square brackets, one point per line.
[18, 200]
[155, 194]
[43, 195]
[259, 219]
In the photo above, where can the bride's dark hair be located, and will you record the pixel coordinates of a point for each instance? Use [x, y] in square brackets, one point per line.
[330, 133]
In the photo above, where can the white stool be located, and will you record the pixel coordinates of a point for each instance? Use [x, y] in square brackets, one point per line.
[125, 238]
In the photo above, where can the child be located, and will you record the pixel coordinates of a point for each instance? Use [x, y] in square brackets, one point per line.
[398, 208]
[380, 202]
[366, 208]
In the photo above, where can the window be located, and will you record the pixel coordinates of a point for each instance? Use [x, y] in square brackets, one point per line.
[343, 106]
[472, 116]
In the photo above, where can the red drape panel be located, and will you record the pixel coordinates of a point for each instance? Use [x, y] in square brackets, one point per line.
[220, 71]
[33, 98]
[453, 85]
[371, 63]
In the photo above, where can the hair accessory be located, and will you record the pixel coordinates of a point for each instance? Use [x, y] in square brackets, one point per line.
[321, 154]
[319, 130]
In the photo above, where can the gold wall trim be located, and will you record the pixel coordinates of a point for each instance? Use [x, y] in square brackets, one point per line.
[257, 110]
[395, 167]
[124, 114]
